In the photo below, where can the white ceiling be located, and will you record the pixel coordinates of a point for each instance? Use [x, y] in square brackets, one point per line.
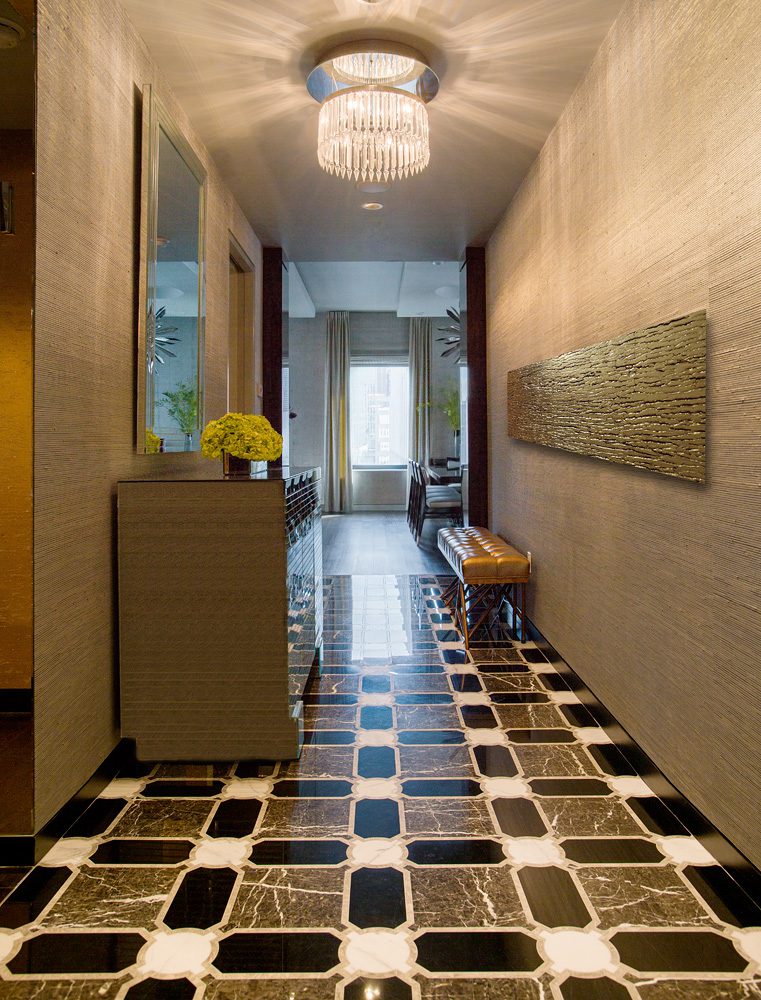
[507, 69]
[420, 288]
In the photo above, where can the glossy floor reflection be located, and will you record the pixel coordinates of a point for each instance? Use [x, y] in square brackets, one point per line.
[459, 827]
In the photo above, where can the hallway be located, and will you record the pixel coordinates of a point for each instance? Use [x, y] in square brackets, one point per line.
[454, 830]
[371, 543]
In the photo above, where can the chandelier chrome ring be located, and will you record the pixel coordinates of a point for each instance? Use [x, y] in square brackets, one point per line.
[334, 69]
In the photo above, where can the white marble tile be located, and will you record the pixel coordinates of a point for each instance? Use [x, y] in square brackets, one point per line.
[69, 851]
[685, 851]
[376, 852]
[590, 735]
[631, 786]
[505, 788]
[578, 951]
[564, 697]
[9, 941]
[177, 953]
[378, 953]
[530, 851]
[122, 788]
[376, 699]
[486, 737]
[375, 738]
[247, 788]
[220, 853]
[749, 942]
[461, 668]
[377, 788]
[472, 698]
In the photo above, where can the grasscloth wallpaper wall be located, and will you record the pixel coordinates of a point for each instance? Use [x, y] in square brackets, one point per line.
[92, 67]
[645, 204]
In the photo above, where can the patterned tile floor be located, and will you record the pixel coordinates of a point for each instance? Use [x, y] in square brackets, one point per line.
[457, 828]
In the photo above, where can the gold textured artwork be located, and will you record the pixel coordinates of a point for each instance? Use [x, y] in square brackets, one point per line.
[638, 400]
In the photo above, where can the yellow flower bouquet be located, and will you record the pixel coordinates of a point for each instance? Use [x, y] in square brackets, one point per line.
[152, 443]
[242, 435]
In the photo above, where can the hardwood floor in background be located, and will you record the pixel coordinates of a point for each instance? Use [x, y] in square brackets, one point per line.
[370, 543]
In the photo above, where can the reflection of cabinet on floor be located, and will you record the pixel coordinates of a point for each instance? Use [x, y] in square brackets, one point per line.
[220, 614]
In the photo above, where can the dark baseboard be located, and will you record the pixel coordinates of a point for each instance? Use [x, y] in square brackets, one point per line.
[15, 700]
[21, 851]
[744, 873]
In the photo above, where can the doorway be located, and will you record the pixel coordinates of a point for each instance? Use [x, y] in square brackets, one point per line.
[241, 355]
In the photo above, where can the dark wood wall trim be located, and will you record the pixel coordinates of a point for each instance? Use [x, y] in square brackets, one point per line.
[475, 333]
[272, 336]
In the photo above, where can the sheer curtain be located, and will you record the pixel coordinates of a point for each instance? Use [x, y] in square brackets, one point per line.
[337, 478]
[421, 336]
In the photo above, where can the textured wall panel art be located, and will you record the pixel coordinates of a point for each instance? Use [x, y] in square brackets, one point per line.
[639, 399]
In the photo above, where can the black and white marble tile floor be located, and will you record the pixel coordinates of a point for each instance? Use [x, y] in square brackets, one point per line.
[457, 828]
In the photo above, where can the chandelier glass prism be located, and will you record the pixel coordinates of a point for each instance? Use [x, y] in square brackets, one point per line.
[373, 124]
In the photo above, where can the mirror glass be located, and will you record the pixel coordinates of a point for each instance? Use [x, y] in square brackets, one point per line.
[172, 313]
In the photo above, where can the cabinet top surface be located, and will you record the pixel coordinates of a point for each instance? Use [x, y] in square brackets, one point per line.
[286, 474]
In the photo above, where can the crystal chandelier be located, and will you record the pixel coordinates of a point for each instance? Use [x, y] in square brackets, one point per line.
[373, 125]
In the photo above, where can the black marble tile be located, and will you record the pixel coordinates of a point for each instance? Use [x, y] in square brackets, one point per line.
[578, 715]
[426, 698]
[478, 717]
[466, 683]
[254, 769]
[620, 851]
[182, 789]
[162, 989]
[502, 667]
[454, 656]
[95, 952]
[376, 717]
[490, 654]
[541, 736]
[377, 989]
[519, 818]
[327, 737]
[376, 684]
[31, 896]
[495, 762]
[554, 682]
[376, 818]
[405, 670]
[449, 788]
[311, 788]
[201, 898]
[235, 818]
[519, 698]
[431, 737]
[677, 951]
[277, 952]
[441, 619]
[532, 655]
[610, 760]
[594, 989]
[725, 897]
[376, 762]
[448, 635]
[477, 951]
[142, 852]
[569, 786]
[455, 852]
[657, 817]
[376, 898]
[10, 877]
[330, 699]
[553, 898]
[97, 818]
[272, 853]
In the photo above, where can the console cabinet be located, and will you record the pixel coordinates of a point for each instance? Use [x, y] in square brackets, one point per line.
[220, 614]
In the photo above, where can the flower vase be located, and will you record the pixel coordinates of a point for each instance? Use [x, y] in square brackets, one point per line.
[234, 467]
[188, 441]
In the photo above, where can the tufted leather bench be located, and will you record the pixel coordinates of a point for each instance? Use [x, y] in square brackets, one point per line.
[488, 569]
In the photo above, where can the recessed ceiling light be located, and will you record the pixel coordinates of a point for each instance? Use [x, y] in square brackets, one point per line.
[447, 292]
[372, 206]
[367, 187]
[10, 33]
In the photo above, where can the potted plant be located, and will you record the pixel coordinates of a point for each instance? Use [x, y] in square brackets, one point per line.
[182, 406]
[239, 439]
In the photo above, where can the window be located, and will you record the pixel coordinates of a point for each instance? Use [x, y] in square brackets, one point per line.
[379, 415]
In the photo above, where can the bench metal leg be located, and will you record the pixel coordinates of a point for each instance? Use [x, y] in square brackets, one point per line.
[463, 615]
